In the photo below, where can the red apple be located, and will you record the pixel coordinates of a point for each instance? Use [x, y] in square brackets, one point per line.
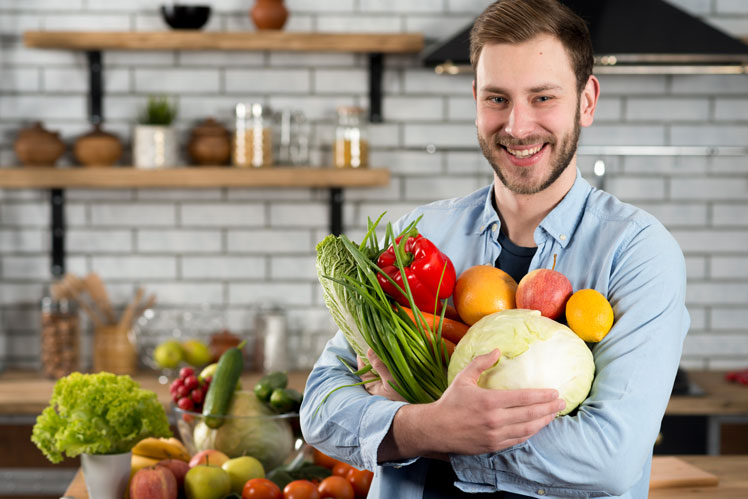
[209, 457]
[153, 482]
[546, 290]
[178, 468]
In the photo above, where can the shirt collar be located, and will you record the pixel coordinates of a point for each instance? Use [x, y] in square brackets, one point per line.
[560, 223]
[564, 218]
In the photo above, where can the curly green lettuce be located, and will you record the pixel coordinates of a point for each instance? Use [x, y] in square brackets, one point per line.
[98, 413]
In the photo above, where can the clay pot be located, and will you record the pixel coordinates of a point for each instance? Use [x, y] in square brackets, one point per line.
[36, 146]
[97, 148]
[209, 143]
[269, 14]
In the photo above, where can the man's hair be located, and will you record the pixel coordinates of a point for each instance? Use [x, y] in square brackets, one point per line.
[516, 21]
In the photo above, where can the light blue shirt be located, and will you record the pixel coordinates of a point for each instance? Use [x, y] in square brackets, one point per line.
[605, 448]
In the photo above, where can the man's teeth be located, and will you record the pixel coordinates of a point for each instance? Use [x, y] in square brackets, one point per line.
[524, 153]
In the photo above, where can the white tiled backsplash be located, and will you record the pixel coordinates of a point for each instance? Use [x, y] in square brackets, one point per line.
[234, 248]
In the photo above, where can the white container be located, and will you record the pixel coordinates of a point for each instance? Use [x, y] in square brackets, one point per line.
[155, 146]
[106, 475]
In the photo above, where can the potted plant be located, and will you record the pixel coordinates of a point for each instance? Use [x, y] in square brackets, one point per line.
[154, 139]
[100, 417]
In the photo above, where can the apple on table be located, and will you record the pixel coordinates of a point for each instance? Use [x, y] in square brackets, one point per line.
[241, 470]
[153, 482]
[209, 457]
[207, 482]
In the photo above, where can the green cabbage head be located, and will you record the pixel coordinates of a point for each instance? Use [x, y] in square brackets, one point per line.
[252, 429]
[536, 352]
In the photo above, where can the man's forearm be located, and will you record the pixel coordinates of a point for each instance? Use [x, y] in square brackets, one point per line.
[408, 436]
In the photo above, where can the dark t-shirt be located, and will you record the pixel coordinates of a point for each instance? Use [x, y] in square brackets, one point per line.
[515, 261]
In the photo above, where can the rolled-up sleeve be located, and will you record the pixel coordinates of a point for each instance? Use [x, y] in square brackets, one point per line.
[349, 424]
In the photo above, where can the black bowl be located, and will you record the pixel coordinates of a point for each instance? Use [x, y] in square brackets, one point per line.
[185, 16]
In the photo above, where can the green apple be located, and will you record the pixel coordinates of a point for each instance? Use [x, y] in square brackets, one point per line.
[241, 469]
[207, 482]
[168, 354]
[210, 371]
[196, 353]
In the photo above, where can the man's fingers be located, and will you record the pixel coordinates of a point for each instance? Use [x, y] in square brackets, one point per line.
[529, 397]
[472, 371]
[360, 362]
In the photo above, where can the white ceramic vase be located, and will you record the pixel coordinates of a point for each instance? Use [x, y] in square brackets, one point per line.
[106, 475]
[155, 146]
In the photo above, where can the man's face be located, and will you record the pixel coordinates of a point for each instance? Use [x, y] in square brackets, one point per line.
[529, 112]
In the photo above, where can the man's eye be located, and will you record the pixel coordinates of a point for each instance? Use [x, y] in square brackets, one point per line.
[497, 100]
[544, 98]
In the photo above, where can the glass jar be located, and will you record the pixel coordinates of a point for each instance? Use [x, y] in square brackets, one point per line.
[351, 147]
[253, 136]
[60, 337]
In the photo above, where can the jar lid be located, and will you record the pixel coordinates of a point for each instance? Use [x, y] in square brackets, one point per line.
[349, 110]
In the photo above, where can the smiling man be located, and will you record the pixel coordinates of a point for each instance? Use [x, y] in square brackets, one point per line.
[534, 91]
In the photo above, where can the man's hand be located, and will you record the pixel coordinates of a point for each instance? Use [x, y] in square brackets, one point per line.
[382, 385]
[468, 419]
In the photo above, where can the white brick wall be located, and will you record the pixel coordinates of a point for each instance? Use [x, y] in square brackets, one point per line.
[237, 248]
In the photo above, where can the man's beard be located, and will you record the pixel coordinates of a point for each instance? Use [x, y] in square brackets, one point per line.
[567, 149]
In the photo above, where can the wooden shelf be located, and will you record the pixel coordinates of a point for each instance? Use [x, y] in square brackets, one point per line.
[190, 177]
[206, 40]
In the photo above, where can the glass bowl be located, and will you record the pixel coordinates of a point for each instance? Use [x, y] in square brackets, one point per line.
[273, 439]
[156, 327]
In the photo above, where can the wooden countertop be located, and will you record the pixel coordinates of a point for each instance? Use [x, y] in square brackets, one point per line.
[28, 392]
[733, 480]
[721, 397]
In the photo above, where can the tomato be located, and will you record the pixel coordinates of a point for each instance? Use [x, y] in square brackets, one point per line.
[300, 489]
[341, 469]
[322, 459]
[361, 481]
[261, 488]
[336, 487]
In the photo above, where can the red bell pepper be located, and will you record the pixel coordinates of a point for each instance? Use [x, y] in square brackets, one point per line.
[423, 266]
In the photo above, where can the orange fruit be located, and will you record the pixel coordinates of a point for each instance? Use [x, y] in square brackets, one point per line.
[589, 315]
[482, 290]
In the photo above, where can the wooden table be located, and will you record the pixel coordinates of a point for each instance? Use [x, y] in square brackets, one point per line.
[28, 392]
[731, 470]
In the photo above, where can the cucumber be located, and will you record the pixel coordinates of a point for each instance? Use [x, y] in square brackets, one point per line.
[222, 388]
[285, 400]
[264, 388]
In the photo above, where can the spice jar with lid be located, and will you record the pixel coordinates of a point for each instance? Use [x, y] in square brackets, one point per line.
[60, 337]
[351, 147]
[253, 136]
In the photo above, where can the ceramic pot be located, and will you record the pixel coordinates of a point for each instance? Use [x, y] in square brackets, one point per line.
[209, 143]
[106, 475]
[36, 146]
[154, 146]
[97, 148]
[269, 14]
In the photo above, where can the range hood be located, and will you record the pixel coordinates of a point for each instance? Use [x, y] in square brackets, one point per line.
[630, 37]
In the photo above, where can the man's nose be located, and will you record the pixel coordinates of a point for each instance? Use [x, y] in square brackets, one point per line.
[520, 122]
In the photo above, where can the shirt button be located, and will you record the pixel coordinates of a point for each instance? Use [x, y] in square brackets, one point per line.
[541, 492]
[562, 237]
[482, 227]
[494, 227]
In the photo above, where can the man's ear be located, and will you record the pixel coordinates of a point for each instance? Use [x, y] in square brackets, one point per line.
[588, 101]
[475, 95]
